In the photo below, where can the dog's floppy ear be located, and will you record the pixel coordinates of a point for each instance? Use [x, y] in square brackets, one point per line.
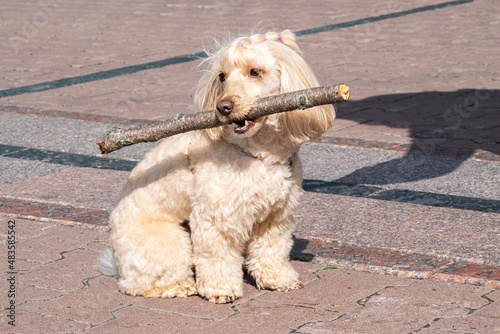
[208, 89]
[301, 125]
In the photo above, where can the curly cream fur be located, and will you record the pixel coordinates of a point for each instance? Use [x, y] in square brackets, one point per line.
[200, 206]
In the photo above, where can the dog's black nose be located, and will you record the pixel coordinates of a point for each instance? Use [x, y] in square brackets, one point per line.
[225, 107]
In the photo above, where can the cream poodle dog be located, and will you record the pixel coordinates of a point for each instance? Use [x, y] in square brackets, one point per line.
[204, 205]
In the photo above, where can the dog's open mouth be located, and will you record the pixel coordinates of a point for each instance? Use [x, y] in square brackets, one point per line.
[242, 127]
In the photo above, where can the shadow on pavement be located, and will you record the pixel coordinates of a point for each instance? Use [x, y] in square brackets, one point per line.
[440, 123]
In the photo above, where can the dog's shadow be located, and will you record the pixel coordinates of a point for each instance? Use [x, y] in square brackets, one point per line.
[455, 124]
[301, 250]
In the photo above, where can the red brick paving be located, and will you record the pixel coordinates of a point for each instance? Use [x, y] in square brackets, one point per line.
[51, 212]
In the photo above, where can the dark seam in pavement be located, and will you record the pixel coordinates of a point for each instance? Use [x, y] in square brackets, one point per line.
[380, 17]
[101, 75]
[64, 158]
[402, 196]
[489, 301]
[199, 55]
[318, 186]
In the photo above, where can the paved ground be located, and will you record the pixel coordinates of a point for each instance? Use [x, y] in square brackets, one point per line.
[398, 230]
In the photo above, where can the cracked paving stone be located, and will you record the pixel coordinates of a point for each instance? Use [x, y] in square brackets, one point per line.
[131, 320]
[67, 274]
[27, 322]
[349, 287]
[388, 315]
[92, 305]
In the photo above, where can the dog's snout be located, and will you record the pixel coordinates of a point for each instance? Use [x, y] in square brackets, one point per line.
[225, 107]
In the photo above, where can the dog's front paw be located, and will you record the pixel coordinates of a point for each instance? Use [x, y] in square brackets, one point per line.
[220, 295]
[222, 299]
[279, 285]
[290, 287]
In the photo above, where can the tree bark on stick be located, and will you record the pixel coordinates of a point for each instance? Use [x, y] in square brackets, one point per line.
[117, 138]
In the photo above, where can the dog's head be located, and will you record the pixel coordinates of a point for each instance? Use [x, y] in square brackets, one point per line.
[249, 68]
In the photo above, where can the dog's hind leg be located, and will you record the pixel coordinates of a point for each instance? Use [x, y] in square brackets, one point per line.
[268, 255]
[155, 260]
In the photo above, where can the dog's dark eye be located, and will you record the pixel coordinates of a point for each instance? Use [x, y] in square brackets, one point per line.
[222, 77]
[254, 72]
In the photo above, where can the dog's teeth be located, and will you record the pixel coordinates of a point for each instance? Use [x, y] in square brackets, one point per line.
[236, 125]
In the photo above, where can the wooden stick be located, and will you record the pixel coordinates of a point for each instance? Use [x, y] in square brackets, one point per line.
[117, 138]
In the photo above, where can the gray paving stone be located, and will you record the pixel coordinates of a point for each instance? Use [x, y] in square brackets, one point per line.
[337, 291]
[442, 293]
[24, 229]
[82, 187]
[56, 240]
[66, 275]
[27, 322]
[265, 317]
[390, 315]
[14, 170]
[91, 305]
[139, 320]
